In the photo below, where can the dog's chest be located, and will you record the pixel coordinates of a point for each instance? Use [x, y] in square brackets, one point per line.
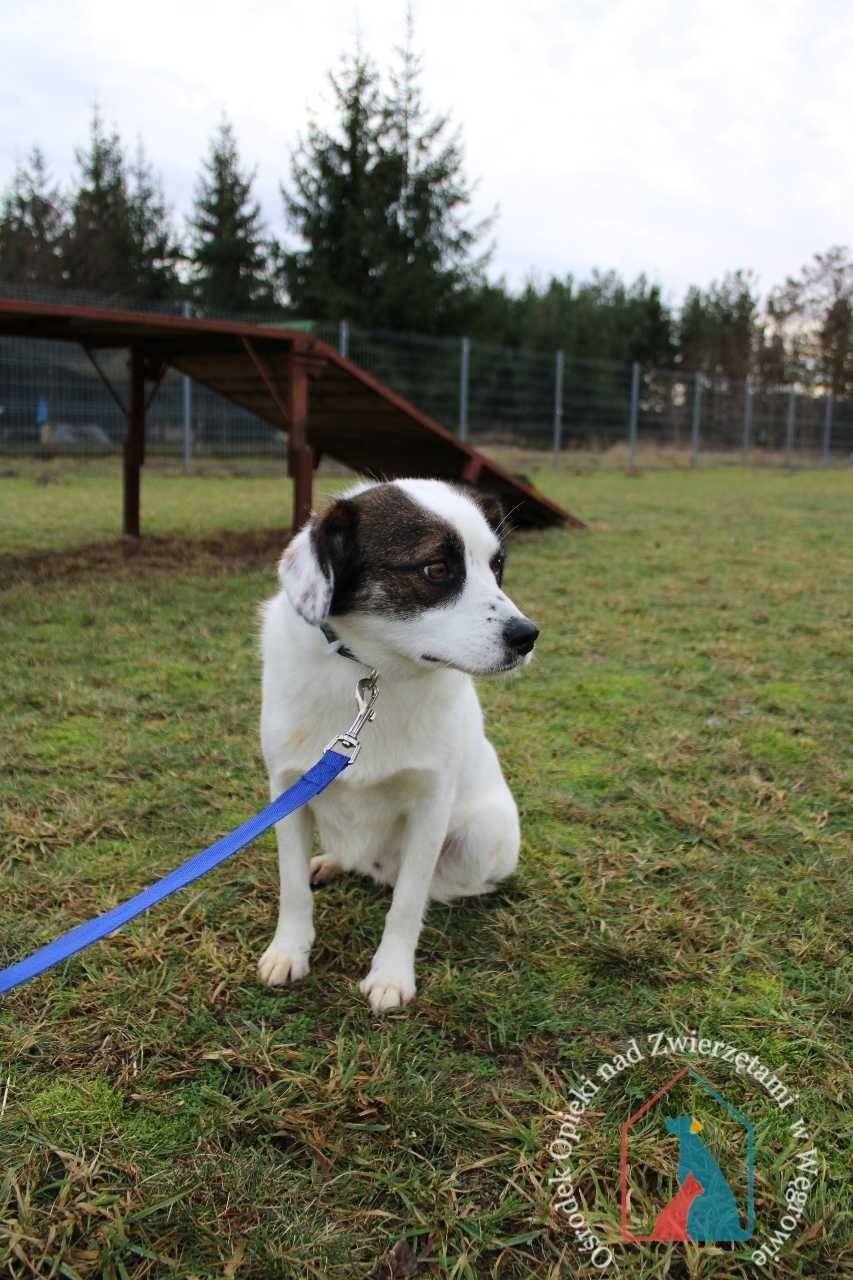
[357, 824]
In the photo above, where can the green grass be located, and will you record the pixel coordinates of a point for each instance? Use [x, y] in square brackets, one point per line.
[65, 502]
[680, 753]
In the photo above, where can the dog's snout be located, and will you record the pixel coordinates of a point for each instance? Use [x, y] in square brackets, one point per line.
[520, 634]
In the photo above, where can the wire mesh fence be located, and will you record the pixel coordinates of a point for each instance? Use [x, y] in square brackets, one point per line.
[53, 401]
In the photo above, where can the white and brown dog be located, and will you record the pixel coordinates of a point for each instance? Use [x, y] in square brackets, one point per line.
[409, 574]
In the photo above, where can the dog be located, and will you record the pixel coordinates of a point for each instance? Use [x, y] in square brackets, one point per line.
[403, 577]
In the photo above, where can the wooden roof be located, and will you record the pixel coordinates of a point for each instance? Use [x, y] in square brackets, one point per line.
[351, 416]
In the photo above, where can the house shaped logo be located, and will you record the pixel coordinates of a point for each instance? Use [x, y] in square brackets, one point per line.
[686, 1166]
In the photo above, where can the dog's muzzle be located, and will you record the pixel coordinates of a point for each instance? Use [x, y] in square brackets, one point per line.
[520, 635]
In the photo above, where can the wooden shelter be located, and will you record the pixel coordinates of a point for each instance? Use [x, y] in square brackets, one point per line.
[325, 404]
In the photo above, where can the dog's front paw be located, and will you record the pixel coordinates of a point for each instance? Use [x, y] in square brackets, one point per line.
[388, 987]
[281, 964]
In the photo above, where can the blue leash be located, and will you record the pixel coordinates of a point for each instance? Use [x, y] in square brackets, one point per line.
[309, 785]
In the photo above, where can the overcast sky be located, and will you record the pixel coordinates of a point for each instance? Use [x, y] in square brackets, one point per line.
[676, 137]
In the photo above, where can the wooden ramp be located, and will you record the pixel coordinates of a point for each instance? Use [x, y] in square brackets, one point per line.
[326, 405]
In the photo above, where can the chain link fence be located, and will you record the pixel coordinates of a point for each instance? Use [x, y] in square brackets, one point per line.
[52, 401]
[582, 412]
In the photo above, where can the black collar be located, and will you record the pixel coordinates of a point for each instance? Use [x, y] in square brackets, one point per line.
[333, 638]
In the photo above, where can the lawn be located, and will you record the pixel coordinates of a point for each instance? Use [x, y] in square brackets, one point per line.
[680, 752]
[51, 505]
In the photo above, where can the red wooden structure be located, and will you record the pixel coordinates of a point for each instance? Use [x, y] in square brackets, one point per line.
[324, 403]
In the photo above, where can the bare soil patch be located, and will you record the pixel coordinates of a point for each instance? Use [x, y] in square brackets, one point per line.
[131, 557]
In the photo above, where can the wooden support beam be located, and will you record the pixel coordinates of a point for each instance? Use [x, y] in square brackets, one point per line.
[266, 378]
[300, 455]
[134, 445]
[109, 386]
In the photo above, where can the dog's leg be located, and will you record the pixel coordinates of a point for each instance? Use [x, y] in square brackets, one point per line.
[480, 851]
[391, 981]
[286, 958]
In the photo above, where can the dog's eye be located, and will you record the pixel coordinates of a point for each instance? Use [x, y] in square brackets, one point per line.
[437, 571]
[497, 566]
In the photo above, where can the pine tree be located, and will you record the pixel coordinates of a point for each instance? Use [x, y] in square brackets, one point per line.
[380, 204]
[717, 328]
[33, 216]
[695, 337]
[343, 183]
[230, 255]
[433, 259]
[99, 247]
[154, 247]
[648, 330]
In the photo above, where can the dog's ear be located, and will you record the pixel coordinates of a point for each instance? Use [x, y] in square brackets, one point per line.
[491, 507]
[318, 559]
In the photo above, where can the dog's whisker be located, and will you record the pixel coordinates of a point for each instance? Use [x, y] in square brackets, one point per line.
[507, 516]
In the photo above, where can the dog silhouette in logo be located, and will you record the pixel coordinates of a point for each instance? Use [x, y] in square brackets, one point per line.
[704, 1207]
[671, 1222]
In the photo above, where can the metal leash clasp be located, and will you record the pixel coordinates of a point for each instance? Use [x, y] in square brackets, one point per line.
[366, 693]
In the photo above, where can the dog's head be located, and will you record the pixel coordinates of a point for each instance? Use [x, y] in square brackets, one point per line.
[413, 569]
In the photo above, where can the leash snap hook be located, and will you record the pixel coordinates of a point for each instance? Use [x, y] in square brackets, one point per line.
[366, 693]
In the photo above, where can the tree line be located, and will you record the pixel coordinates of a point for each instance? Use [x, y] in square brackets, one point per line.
[377, 208]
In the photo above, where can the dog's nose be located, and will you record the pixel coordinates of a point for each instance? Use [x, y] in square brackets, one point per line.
[520, 634]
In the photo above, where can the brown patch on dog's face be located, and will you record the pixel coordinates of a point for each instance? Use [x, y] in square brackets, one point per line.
[388, 555]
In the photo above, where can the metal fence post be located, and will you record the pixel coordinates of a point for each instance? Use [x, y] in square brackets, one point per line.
[696, 420]
[634, 414]
[187, 389]
[343, 339]
[463, 388]
[747, 422]
[827, 429]
[559, 361]
[791, 419]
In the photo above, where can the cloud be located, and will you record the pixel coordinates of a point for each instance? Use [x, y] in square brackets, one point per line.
[660, 137]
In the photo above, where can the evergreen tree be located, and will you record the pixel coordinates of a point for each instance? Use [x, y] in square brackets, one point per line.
[547, 315]
[648, 330]
[615, 321]
[33, 218]
[343, 184]
[154, 247]
[434, 261]
[695, 332]
[379, 203]
[99, 246]
[718, 330]
[495, 314]
[735, 306]
[230, 255]
[598, 319]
